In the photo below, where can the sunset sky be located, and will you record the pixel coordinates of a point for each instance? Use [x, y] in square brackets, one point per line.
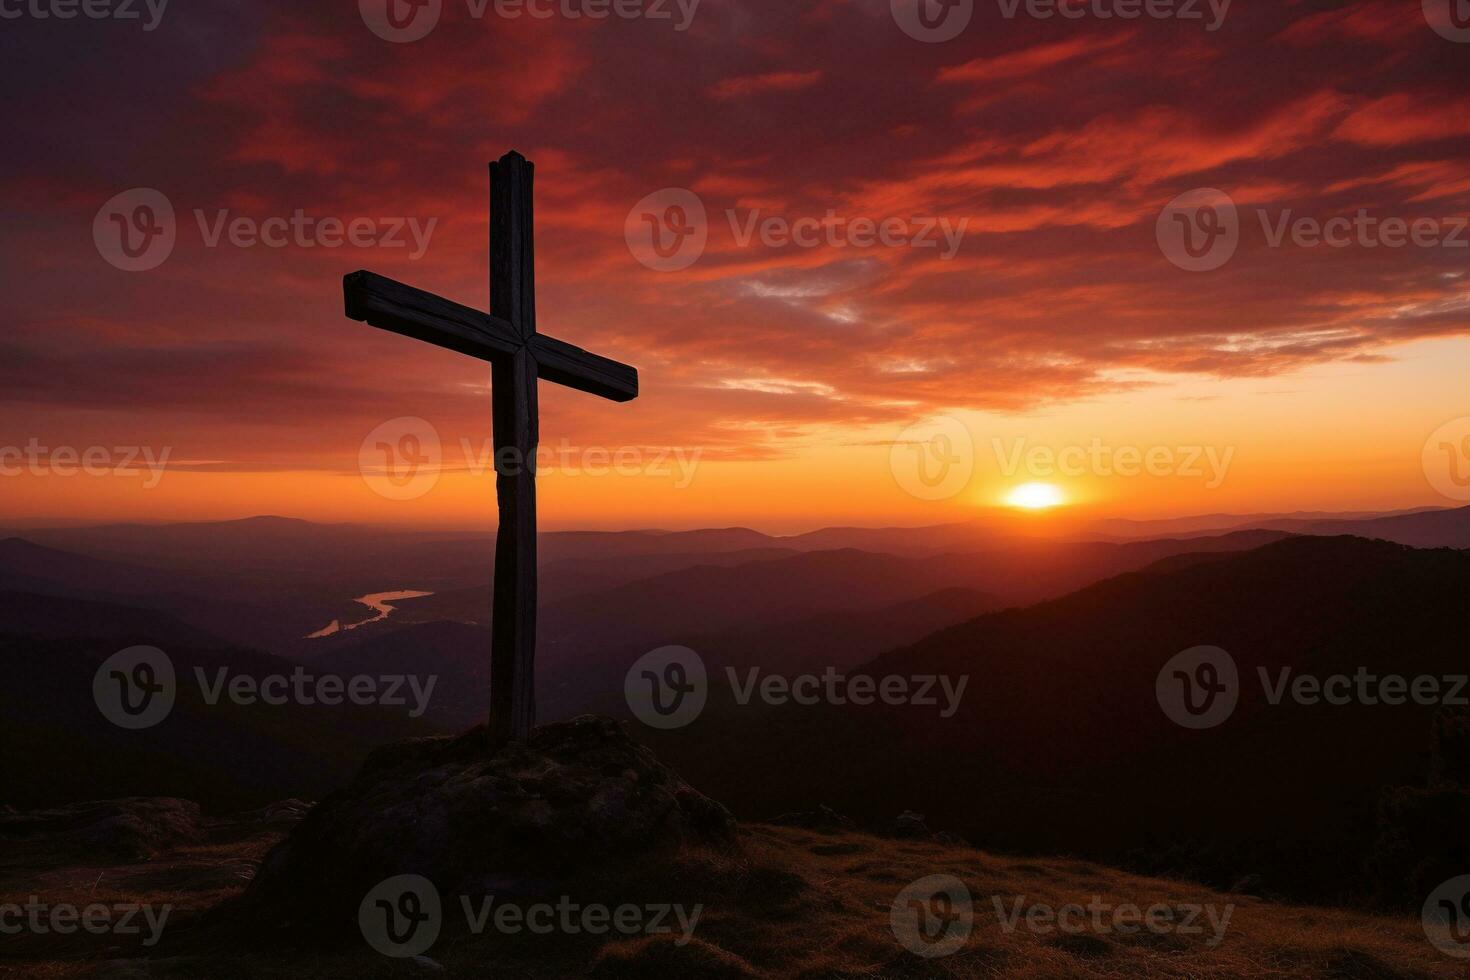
[783, 375]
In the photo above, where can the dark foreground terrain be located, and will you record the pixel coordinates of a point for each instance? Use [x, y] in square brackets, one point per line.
[787, 901]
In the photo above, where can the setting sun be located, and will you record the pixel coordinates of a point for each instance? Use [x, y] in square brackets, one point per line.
[1035, 496]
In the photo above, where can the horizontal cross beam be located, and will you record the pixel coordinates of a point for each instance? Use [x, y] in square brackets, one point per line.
[399, 308]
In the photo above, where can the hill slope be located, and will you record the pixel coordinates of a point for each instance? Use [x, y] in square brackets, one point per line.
[1060, 741]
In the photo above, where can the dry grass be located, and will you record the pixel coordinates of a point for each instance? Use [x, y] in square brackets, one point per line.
[790, 903]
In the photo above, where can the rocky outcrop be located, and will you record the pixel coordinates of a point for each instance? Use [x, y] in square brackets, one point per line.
[131, 829]
[573, 795]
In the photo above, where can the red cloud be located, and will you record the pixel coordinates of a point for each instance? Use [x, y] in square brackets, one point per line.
[776, 81]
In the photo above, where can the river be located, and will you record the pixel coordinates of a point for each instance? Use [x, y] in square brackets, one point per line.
[379, 602]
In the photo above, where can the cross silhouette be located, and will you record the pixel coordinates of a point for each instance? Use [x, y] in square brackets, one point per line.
[518, 356]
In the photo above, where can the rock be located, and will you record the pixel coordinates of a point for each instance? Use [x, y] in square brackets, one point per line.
[573, 795]
[911, 826]
[131, 829]
[1248, 885]
[822, 818]
[280, 814]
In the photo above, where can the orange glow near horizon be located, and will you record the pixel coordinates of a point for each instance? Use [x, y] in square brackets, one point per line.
[1036, 496]
[1297, 443]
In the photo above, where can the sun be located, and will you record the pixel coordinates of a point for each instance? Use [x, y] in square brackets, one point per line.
[1035, 496]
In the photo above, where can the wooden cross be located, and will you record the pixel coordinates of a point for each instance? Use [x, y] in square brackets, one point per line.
[518, 356]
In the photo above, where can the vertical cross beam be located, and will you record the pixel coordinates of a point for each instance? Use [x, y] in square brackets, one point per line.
[515, 417]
